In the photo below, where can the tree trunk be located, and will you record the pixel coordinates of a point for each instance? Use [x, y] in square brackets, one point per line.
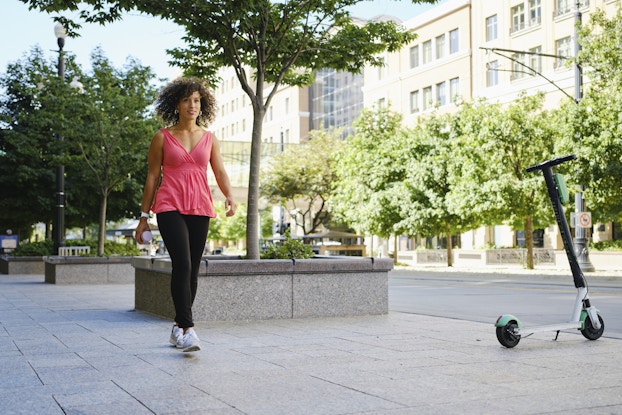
[102, 225]
[395, 248]
[529, 242]
[252, 218]
[450, 261]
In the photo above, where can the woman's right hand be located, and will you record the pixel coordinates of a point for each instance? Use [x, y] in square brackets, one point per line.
[140, 228]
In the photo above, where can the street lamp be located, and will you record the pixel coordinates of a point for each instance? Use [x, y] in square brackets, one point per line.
[59, 224]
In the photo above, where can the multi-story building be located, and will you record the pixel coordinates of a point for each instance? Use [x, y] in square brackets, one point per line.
[336, 100]
[286, 122]
[434, 71]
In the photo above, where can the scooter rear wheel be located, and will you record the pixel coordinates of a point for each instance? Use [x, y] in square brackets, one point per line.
[506, 335]
[589, 332]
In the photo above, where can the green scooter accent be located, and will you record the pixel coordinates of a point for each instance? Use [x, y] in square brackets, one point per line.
[503, 320]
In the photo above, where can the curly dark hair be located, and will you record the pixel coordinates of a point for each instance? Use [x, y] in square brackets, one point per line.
[180, 88]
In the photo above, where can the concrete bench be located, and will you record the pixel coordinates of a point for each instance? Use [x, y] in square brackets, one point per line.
[73, 250]
[88, 270]
[21, 265]
[270, 289]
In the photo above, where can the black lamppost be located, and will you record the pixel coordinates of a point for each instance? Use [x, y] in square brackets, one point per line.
[58, 233]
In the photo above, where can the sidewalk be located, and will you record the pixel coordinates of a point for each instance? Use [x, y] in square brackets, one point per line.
[84, 350]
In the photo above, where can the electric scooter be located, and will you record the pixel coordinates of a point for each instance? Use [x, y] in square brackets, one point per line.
[585, 317]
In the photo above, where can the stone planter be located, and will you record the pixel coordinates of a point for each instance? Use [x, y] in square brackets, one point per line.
[21, 265]
[270, 289]
[88, 270]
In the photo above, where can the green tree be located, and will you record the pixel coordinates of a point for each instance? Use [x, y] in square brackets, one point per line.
[592, 127]
[33, 109]
[371, 169]
[112, 129]
[300, 179]
[269, 44]
[227, 229]
[106, 128]
[432, 171]
[497, 144]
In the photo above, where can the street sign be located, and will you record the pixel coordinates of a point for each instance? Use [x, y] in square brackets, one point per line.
[584, 220]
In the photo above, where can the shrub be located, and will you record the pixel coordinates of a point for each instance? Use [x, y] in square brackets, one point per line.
[44, 248]
[288, 249]
[40, 248]
[606, 245]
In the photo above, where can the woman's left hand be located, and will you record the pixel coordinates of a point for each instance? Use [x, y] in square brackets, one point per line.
[230, 206]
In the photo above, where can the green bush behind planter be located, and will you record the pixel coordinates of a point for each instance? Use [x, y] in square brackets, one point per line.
[45, 248]
[288, 249]
[606, 245]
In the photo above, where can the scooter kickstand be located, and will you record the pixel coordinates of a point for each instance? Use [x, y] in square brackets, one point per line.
[556, 336]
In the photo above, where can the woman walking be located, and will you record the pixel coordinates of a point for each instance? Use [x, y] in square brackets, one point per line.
[176, 190]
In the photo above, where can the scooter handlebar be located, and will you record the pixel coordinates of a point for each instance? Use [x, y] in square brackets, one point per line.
[552, 162]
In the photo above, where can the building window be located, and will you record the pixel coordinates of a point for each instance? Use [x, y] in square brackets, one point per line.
[567, 6]
[562, 46]
[535, 59]
[518, 66]
[287, 105]
[382, 69]
[427, 97]
[535, 12]
[381, 103]
[441, 93]
[492, 73]
[518, 17]
[414, 101]
[427, 52]
[454, 89]
[440, 46]
[491, 28]
[414, 56]
[454, 41]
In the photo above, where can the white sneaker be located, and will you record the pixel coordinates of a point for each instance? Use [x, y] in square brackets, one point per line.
[189, 341]
[176, 335]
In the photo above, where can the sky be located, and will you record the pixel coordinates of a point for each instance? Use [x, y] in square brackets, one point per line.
[141, 37]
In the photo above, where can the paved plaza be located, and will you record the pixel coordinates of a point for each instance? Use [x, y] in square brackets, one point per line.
[83, 349]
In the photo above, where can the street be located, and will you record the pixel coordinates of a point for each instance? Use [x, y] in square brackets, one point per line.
[482, 297]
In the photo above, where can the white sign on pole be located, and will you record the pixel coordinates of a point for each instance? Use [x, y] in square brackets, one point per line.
[584, 220]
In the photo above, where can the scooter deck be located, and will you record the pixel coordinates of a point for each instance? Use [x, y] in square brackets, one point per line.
[548, 327]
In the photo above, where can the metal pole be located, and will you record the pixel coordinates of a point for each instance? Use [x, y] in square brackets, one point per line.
[282, 210]
[580, 240]
[59, 226]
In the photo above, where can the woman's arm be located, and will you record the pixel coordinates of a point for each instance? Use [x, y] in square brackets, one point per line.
[151, 184]
[222, 178]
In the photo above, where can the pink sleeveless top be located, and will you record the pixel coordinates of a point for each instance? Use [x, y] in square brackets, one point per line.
[184, 185]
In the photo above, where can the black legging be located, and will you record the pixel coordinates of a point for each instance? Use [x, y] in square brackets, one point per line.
[184, 237]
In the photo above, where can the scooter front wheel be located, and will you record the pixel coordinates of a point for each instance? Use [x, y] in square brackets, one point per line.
[589, 332]
[506, 335]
